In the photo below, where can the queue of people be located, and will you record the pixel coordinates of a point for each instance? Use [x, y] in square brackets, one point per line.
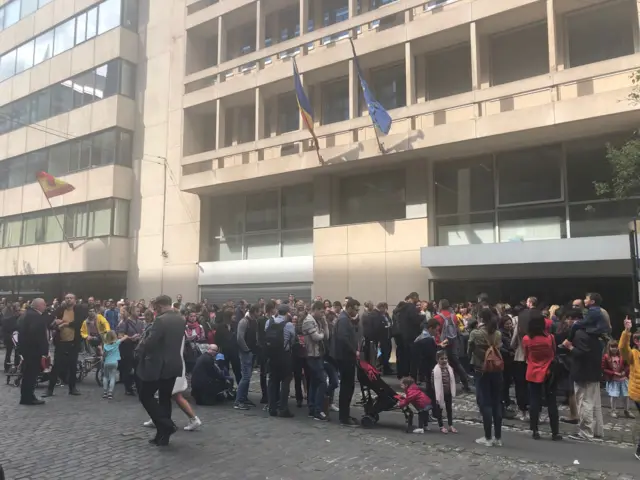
[318, 345]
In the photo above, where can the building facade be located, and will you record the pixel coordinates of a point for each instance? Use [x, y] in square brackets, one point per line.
[177, 123]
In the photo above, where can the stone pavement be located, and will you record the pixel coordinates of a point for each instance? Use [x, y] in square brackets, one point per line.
[87, 437]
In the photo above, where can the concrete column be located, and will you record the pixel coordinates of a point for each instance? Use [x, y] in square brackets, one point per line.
[475, 57]
[222, 41]
[260, 25]
[304, 17]
[410, 73]
[353, 90]
[353, 8]
[220, 124]
[322, 201]
[417, 188]
[260, 115]
[556, 38]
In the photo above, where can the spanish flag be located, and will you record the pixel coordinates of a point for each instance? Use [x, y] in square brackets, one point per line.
[52, 186]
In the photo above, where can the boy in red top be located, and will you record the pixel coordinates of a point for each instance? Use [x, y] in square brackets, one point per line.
[416, 397]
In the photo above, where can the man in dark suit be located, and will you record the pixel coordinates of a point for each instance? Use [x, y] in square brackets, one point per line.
[68, 321]
[34, 345]
[160, 364]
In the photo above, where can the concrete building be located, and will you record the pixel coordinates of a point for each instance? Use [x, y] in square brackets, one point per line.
[193, 174]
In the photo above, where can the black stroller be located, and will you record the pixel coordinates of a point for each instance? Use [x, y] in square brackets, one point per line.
[377, 396]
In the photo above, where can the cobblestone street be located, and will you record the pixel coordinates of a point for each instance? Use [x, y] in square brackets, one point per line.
[80, 437]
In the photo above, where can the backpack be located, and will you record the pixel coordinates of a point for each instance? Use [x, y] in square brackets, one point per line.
[274, 339]
[493, 361]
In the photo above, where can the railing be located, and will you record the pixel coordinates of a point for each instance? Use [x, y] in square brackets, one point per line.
[609, 75]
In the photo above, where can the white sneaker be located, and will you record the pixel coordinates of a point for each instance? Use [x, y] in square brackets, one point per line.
[194, 423]
[334, 408]
[484, 442]
[418, 430]
[496, 442]
[149, 424]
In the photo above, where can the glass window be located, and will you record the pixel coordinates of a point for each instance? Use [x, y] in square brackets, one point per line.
[41, 105]
[2, 222]
[125, 149]
[121, 218]
[104, 149]
[389, 87]
[59, 159]
[467, 229]
[20, 112]
[8, 65]
[81, 28]
[372, 197]
[130, 15]
[265, 245]
[519, 54]
[28, 7]
[92, 23]
[532, 175]
[74, 156]
[61, 97]
[128, 82]
[100, 218]
[464, 186]
[262, 212]
[230, 249]
[288, 113]
[37, 162]
[52, 230]
[42, 3]
[335, 101]
[44, 47]
[76, 221]
[6, 125]
[107, 79]
[108, 15]
[540, 223]
[449, 72]
[17, 171]
[24, 56]
[229, 216]
[13, 232]
[4, 175]
[11, 13]
[601, 218]
[297, 243]
[297, 207]
[1, 28]
[85, 154]
[64, 36]
[33, 229]
[84, 89]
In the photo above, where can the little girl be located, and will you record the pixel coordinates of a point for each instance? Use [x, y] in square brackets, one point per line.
[111, 357]
[416, 397]
[444, 384]
[616, 373]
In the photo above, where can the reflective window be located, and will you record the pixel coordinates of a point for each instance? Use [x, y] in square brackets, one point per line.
[12, 232]
[130, 14]
[92, 23]
[389, 87]
[262, 212]
[464, 186]
[33, 229]
[108, 15]
[62, 97]
[128, 79]
[469, 229]
[59, 159]
[528, 176]
[44, 47]
[11, 13]
[601, 218]
[84, 86]
[17, 171]
[42, 3]
[76, 221]
[52, 226]
[288, 113]
[539, 223]
[265, 245]
[372, 197]
[297, 243]
[81, 28]
[124, 152]
[449, 72]
[335, 101]
[100, 218]
[64, 37]
[121, 218]
[8, 65]
[297, 207]
[519, 54]
[28, 7]
[24, 57]
[104, 149]
[37, 162]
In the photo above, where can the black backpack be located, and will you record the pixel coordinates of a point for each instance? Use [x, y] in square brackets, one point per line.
[274, 340]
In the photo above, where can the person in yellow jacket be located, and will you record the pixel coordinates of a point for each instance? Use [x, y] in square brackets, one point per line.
[632, 357]
[93, 330]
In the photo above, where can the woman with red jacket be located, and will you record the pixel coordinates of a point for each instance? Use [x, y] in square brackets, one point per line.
[539, 350]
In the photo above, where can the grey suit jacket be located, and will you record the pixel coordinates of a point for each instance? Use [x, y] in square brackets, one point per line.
[159, 352]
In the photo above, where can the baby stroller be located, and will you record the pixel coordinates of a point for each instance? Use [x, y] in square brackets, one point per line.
[377, 396]
[14, 375]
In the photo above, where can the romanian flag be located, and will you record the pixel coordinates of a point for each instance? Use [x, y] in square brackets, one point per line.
[304, 105]
[52, 186]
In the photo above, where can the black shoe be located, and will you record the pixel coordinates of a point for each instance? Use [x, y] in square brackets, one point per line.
[249, 403]
[556, 437]
[350, 422]
[570, 421]
[48, 393]
[35, 401]
[285, 414]
[536, 435]
[264, 400]
[154, 441]
[273, 413]
[299, 403]
[74, 392]
[131, 393]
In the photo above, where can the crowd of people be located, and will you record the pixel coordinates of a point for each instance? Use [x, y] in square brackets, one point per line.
[161, 347]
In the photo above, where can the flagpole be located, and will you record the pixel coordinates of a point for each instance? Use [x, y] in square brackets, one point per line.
[71, 246]
[375, 129]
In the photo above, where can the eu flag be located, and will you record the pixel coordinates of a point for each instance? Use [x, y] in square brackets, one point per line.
[379, 116]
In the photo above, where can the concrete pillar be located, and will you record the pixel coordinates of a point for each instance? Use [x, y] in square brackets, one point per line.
[475, 57]
[260, 25]
[353, 90]
[304, 17]
[220, 124]
[260, 115]
[410, 73]
[222, 41]
[417, 188]
[322, 201]
[556, 38]
[353, 8]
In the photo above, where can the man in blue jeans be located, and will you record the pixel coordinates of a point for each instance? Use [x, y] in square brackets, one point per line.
[247, 345]
[316, 334]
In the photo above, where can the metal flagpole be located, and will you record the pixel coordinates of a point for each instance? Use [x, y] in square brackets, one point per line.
[64, 236]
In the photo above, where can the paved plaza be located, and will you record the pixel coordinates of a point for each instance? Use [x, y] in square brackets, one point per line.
[88, 437]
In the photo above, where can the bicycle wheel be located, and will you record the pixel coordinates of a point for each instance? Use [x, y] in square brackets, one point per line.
[99, 375]
[80, 372]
